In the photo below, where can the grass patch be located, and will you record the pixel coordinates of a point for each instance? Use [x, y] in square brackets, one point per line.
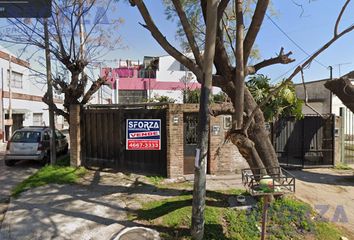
[326, 230]
[288, 218]
[155, 180]
[175, 213]
[342, 166]
[49, 174]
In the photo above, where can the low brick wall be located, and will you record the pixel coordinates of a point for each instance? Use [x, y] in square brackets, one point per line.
[224, 158]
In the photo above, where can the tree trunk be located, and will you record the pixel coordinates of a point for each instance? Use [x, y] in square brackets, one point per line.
[199, 189]
[259, 135]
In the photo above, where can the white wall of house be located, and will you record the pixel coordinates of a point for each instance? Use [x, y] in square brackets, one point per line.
[170, 70]
[34, 111]
[29, 109]
[336, 105]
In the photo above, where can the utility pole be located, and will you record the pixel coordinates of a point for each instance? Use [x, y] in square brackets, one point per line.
[330, 92]
[53, 151]
[199, 190]
[10, 99]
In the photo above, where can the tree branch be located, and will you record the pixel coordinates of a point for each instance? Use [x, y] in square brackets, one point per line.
[280, 59]
[221, 60]
[254, 28]
[340, 17]
[295, 72]
[228, 35]
[188, 31]
[240, 67]
[54, 107]
[94, 87]
[222, 109]
[306, 97]
[157, 35]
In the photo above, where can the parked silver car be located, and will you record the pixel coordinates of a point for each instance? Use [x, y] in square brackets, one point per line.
[33, 143]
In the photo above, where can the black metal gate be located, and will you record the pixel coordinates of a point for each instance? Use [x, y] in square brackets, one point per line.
[190, 133]
[347, 136]
[306, 142]
[103, 138]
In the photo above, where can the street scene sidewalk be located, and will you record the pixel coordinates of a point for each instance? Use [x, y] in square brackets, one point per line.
[80, 211]
[330, 192]
[103, 202]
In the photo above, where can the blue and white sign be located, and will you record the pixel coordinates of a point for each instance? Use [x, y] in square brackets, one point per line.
[143, 134]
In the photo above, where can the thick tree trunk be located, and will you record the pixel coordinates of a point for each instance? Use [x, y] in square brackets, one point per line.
[342, 88]
[259, 135]
[248, 151]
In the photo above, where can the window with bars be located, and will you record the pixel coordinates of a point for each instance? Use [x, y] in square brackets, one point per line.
[16, 79]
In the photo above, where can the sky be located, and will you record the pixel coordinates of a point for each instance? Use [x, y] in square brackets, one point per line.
[308, 29]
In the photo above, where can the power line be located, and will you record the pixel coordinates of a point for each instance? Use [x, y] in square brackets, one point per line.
[288, 71]
[293, 41]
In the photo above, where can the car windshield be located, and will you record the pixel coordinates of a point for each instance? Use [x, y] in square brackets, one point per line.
[26, 136]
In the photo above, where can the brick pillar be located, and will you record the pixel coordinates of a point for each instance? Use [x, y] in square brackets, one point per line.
[175, 153]
[75, 136]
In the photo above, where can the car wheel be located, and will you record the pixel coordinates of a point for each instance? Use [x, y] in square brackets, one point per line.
[9, 163]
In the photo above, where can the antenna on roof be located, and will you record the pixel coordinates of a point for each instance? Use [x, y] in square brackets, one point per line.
[339, 65]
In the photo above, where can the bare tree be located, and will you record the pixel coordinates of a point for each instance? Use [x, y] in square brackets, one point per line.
[72, 46]
[248, 132]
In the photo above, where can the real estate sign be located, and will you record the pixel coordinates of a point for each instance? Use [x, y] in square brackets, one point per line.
[143, 134]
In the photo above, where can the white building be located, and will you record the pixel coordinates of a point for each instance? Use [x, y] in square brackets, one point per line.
[26, 103]
[154, 77]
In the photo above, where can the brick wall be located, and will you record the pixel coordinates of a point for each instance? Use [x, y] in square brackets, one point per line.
[224, 158]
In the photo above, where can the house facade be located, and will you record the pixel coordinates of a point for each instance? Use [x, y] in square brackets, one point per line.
[320, 98]
[322, 102]
[22, 97]
[141, 81]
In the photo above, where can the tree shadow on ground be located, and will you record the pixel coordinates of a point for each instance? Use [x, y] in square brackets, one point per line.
[71, 203]
[345, 178]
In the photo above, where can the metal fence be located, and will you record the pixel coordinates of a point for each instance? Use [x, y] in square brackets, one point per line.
[306, 142]
[347, 135]
[104, 140]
